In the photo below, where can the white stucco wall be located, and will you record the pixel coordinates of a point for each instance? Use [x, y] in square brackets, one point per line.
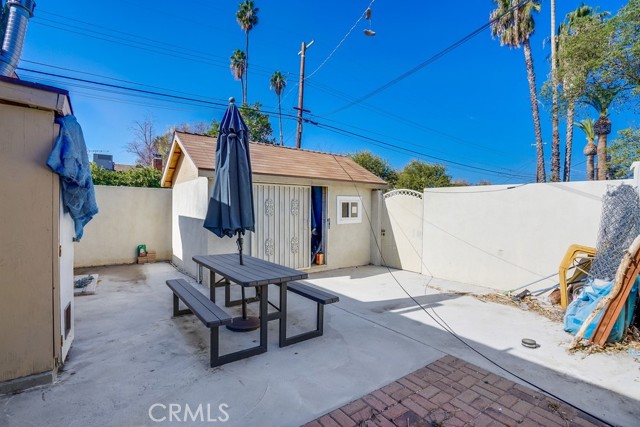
[189, 208]
[348, 245]
[128, 217]
[402, 222]
[505, 238]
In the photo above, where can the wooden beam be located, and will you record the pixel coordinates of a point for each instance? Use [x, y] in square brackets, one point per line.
[614, 308]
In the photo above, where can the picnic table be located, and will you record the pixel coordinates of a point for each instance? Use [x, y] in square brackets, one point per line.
[256, 273]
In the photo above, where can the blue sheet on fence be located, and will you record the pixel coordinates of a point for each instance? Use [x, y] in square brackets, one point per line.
[581, 307]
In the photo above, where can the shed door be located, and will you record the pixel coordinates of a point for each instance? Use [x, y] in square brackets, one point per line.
[283, 224]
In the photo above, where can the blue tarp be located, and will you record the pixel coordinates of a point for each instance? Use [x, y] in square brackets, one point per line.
[70, 160]
[580, 308]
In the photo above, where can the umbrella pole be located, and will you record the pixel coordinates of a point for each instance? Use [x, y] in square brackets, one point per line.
[244, 305]
[239, 242]
[243, 323]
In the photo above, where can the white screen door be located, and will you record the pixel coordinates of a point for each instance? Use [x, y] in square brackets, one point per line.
[283, 224]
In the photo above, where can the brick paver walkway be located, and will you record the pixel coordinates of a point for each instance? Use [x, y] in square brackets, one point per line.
[451, 392]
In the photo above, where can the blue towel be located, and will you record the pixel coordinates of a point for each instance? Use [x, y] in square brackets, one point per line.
[70, 160]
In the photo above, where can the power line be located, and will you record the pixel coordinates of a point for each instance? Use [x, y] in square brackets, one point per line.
[341, 41]
[136, 37]
[429, 60]
[370, 140]
[144, 91]
[224, 101]
[115, 79]
[122, 42]
[156, 47]
[407, 121]
[407, 150]
[394, 138]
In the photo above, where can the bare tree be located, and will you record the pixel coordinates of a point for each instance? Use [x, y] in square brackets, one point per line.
[144, 141]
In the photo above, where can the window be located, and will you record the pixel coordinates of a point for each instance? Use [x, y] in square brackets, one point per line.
[349, 210]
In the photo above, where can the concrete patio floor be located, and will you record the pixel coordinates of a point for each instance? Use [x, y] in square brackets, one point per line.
[129, 355]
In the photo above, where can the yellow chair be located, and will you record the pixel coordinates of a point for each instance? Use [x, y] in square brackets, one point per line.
[585, 255]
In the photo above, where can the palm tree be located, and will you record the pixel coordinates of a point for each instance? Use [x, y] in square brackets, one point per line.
[571, 84]
[555, 132]
[278, 82]
[600, 98]
[590, 150]
[247, 17]
[238, 68]
[514, 26]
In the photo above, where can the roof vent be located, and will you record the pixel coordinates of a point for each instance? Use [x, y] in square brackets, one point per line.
[13, 27]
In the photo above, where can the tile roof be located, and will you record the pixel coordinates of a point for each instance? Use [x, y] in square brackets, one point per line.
[267, 159]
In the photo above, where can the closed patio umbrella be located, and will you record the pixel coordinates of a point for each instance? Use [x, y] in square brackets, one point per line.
[230, 210]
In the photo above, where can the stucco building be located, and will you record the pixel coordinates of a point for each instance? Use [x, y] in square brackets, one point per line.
[305, 201]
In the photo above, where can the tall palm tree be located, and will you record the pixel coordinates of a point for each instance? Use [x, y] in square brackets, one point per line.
[278, 82]
[514, 26]
[238, 68]
[247, 17]
[590, 150]
[600, 98]
[572, 87]
[555, 132]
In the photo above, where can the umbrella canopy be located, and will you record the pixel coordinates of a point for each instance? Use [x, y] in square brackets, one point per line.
[231, 205]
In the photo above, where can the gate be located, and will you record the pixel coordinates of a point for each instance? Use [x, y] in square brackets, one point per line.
[402, 214]
[283, 224]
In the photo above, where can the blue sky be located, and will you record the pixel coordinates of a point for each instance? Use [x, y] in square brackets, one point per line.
[471, 107]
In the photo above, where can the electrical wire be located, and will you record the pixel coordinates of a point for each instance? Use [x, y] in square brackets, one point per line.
[384, 143]
[144, 91]
[135, 38]
[163, 48]
[195, 95]
[117, 80]
[414, 153]
[204, 57]
[341, 41]
[291, 116]
[430, 60]
[405, 120]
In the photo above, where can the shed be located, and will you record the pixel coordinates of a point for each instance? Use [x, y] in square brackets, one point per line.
[37, 308]
[305, 202]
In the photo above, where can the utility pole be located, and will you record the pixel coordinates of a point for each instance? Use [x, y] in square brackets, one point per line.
[300, 108]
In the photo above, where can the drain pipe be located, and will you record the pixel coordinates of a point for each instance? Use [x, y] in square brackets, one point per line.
[13, 28]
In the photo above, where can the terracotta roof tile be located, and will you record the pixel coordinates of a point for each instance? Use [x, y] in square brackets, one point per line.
[267, 159]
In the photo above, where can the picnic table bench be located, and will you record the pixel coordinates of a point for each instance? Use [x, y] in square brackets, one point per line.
[321, 298]
[258, 274]
[210, 315]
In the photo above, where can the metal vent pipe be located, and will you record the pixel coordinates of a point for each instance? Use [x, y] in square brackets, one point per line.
[13, 28]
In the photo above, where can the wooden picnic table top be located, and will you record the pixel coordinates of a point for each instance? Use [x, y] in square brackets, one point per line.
[254, 272]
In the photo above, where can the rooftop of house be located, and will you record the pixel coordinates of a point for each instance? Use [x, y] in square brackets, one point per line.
[269, 159]
[35, 95]
[121, 168]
